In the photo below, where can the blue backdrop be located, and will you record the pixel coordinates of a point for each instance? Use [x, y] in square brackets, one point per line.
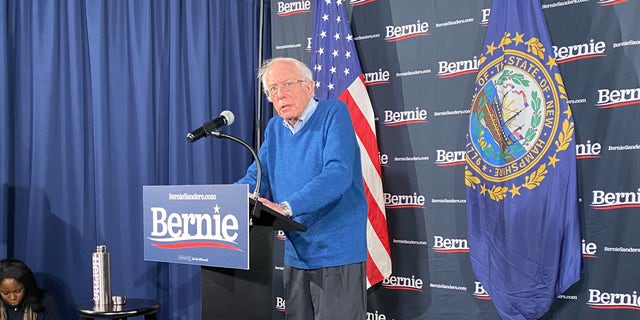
[96, 98]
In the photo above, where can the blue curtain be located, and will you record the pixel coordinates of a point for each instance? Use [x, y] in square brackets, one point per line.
[96, 98]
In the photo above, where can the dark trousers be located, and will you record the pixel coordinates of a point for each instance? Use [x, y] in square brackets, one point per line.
[326, 293]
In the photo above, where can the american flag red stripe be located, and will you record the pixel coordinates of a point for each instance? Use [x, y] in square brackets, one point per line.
[379, 261]
[362, 125]
[338, 74]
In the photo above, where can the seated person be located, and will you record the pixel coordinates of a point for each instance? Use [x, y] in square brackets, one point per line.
[21, 297]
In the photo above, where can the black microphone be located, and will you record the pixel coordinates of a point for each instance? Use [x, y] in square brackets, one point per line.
[225, 118]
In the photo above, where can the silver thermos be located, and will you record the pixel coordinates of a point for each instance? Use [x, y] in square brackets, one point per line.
[101, 276]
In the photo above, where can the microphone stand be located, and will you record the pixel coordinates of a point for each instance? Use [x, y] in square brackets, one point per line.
[256, 191]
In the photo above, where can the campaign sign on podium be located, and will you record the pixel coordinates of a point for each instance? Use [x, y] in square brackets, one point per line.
[206, 225]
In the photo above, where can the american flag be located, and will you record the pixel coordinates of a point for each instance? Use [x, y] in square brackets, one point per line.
[337, 73]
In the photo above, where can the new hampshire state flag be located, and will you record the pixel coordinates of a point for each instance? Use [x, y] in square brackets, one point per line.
[523, 222]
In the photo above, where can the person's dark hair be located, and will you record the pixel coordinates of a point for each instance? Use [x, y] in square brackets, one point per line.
[18, 270]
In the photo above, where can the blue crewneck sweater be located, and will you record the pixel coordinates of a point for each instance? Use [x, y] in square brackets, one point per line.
[317, 171]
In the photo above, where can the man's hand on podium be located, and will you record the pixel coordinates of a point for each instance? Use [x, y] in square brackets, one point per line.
[273, 206]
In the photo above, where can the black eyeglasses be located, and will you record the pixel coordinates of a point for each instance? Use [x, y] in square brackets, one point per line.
[284, 87]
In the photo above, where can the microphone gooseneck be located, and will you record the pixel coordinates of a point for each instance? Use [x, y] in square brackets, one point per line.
[256, 191]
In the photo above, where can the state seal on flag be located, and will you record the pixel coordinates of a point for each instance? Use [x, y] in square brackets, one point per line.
[519, 120]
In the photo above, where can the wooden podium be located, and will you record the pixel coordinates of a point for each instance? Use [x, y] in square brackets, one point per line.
[247, 294]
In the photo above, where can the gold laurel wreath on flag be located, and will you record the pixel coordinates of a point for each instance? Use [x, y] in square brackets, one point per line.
[499, 193]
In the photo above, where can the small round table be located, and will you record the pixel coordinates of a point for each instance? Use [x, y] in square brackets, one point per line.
[132, 308]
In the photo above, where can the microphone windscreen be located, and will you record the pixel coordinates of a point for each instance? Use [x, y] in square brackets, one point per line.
[229, 116]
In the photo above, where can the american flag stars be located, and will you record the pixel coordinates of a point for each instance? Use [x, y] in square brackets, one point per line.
[332, 70]
[338, 75]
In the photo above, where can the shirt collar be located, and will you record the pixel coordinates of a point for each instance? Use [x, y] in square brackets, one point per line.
[306, 114]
